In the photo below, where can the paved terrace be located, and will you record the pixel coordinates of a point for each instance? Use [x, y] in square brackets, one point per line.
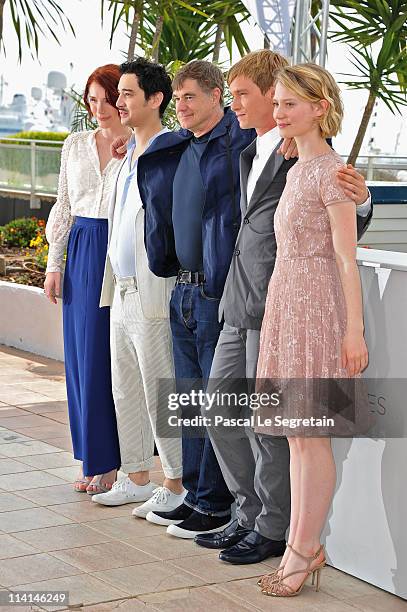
[52, 538]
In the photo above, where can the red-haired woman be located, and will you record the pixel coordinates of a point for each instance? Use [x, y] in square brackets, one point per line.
[78, 222]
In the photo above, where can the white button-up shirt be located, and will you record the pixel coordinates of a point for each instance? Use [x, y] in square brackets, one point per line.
[265, 146]
[122, 249]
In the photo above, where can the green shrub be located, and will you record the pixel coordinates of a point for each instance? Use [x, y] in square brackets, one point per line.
[55, 136]
[20, 232]
[41, 248]
[14, 159]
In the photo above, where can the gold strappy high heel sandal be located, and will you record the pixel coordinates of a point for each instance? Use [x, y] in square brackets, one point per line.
[274, 585]
[269, 578]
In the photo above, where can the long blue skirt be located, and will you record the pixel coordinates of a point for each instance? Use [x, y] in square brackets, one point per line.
[92, 415]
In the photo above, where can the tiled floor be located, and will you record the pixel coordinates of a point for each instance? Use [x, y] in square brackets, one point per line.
[52, 538]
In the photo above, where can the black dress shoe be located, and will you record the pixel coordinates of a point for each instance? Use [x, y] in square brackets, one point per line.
[253, 548]
[223, 539]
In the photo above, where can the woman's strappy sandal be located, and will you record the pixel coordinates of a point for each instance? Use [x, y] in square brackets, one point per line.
[100, 485]
[274, 586]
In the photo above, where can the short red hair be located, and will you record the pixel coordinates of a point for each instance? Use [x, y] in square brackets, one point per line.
[108, 77]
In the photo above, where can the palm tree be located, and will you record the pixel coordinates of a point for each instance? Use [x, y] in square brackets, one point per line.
[161, 10]
[190, 37]
[34, 17]
[228, 16]
[384, 73]
[213, 22]
[129, 11]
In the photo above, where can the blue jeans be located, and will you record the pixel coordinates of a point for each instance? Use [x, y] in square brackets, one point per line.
[195, 332]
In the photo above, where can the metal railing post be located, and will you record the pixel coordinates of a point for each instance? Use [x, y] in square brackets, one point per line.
[35, 202]
[370, 168]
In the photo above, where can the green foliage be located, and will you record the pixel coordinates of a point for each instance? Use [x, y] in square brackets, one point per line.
[363, 23]
[121, 11]
[32, 18]
[57, 137]
[187, 38]
[20, 232]
[170, 118]
[15, 159]
[230, 15]
[188, 28]
[40, 244]
[384, 73]
[80, 116]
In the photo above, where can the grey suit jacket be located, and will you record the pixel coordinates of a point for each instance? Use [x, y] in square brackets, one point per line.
[244, 296]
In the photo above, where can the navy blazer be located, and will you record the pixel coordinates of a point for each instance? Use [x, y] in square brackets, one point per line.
[221, 210]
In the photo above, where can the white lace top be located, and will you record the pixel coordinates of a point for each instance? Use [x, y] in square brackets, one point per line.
[83, 191]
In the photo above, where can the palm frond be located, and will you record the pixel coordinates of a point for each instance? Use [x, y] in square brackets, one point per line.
[35, 18]
[80, 117]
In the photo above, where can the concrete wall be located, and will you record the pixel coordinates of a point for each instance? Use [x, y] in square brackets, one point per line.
[14, 207]
[388, 229]
[365, 533]
[30, 322]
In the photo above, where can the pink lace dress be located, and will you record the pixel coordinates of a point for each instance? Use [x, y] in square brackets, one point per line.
[305, 315]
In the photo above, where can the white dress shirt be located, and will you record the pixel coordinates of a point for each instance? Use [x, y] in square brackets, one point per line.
[265, 146]
[122, 248]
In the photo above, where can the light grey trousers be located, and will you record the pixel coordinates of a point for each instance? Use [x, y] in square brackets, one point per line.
[141, 356]
[256, 467]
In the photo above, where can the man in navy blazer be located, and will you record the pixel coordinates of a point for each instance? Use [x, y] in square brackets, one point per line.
[191, 194]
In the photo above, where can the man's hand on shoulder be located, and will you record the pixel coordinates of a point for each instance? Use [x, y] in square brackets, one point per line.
[353, 184]
[118, 148]
[288, 148]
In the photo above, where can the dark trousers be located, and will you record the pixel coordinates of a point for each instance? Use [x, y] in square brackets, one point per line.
[195, 332]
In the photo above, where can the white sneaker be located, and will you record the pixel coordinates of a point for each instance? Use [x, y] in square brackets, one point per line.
[163, 500]
[125, 492]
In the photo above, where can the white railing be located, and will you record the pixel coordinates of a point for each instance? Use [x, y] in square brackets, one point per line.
[29, 168]
[388, 168]
[32, 167]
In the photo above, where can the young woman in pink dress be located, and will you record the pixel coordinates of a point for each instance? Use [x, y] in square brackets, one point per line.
[313, 322]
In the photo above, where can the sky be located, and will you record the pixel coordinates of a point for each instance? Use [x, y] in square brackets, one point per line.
[78, 57]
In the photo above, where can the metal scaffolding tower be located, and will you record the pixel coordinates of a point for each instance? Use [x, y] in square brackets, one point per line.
[310, 32]
[292, 29]
[274, 18]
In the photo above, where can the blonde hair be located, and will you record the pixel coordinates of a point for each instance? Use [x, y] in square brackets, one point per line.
[260, 67]
[313, 83]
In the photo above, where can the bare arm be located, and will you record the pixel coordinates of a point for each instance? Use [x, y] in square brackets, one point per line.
[342, 218]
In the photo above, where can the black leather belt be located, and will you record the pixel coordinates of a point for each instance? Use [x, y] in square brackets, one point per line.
[188, 277]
